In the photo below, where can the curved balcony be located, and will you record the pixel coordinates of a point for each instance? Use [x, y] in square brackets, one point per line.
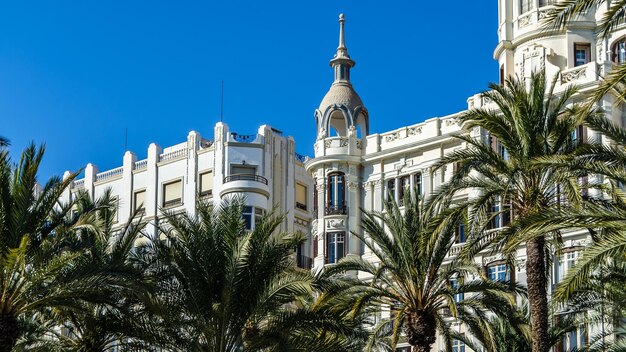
[244, 183]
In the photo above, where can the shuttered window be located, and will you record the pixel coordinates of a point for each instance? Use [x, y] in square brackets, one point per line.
[301, 196]
[206, 184]
[139, 200]
[172, 193]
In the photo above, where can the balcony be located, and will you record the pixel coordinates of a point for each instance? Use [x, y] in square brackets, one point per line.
[245, 183]
[245, 177]
[335, 210]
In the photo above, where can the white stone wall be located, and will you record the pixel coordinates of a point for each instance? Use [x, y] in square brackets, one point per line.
[272, 154]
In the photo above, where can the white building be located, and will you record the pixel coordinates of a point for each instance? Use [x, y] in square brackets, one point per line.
[263, 167]
[354, 168]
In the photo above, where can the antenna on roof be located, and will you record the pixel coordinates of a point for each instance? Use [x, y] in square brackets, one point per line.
[222, 104]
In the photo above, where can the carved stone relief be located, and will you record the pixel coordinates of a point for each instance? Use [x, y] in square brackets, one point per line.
[335, 224]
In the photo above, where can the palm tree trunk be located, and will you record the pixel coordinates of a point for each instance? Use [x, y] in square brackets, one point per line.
[8, 332]
[421, 329]
[537, 294]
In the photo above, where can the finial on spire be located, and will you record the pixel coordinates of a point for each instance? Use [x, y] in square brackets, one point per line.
[342, 61]
[342, 42]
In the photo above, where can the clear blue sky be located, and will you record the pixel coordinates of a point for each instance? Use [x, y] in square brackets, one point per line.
[76, 74]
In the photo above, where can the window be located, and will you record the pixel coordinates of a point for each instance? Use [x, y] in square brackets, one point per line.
[417, 182]
[391, 191]
[458, 346]
[498, 272]
[206, 184]
[583, 183]
[315, 251]
[335, 247]
[336, 194]
[618, 51]
[501, 214]
[454, 284]
[405, 188]
[574, 339]
[579, 135]
[315, 200]
[498, 148]
[566, 261]
[116, 208]
[582, 54]
[403, 349]
[460, 233]
[543, 3]
[173, 193]
[139, 200]
[525, 6]
[242, 169]
[300, 196]
[252, 216]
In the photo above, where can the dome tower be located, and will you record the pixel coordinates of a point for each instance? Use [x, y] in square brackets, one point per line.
[342, 126]
[341, 112]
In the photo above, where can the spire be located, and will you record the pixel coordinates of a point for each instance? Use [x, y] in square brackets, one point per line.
[342, 61]
[341, 49]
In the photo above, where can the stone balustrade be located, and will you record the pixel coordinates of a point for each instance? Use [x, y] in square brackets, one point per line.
[117, 172]
[176, 154]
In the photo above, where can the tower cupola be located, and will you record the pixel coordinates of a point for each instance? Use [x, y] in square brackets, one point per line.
[341, 112]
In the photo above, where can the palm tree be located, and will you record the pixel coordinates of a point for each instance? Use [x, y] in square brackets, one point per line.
[40, 267]
[527, 126]
[118, 316]
[415, 279]
[3, 142]
[228, 289]
[511, 333]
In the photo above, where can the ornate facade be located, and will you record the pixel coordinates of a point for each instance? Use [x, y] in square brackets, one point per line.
[354, 169]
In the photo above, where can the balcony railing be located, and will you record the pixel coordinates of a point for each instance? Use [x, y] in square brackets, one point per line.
[304, 262]
[245, 138]
[245, 177]
[335, 210]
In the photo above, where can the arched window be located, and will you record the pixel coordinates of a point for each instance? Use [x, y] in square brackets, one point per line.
[618, 51]
[335, 193]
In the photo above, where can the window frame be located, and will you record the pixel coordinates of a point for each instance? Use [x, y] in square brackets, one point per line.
[337, 237]
[418, 183]
[299, 205]
[336, 193]
[136, 208]
[205, 193]
[586, 48]
[499, 264]
[404, 188]
[174, 202]
[615, 51]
